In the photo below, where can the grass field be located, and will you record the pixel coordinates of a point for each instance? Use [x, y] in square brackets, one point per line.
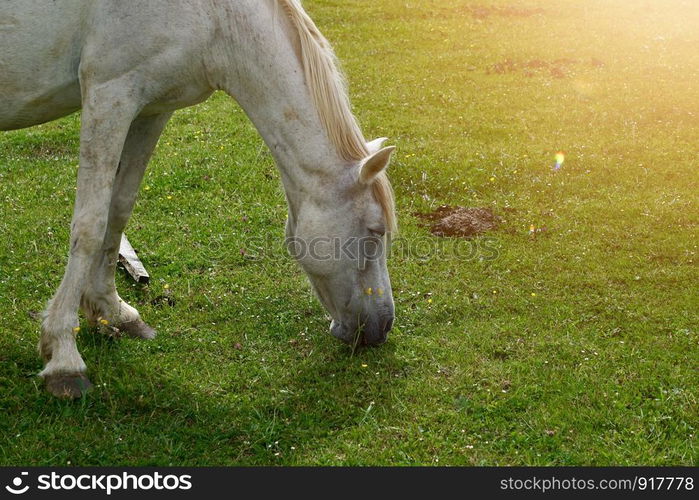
[575, 345]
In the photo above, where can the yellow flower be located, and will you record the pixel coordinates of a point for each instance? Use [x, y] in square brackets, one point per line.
[533, 294]
[364, 365]
[169, 197]
[76, 330]
[429, 301]
[104, 321]
[166, 286]
[147, 188]
[492, 179]
[369, 291]
[379, 291]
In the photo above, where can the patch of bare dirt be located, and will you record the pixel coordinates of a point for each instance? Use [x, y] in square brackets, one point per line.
[463, 222]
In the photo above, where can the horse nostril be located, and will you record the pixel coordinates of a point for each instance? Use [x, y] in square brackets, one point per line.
[388, 325]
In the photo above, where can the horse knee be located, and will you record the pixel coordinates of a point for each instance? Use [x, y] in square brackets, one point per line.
[86, 240]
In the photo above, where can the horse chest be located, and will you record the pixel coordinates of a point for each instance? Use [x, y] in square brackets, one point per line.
[176, 98]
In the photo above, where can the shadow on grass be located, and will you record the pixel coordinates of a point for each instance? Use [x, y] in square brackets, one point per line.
[144, 413]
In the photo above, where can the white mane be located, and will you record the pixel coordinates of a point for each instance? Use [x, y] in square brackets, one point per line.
[329, 93]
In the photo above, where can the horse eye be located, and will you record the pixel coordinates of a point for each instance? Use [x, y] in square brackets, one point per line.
[377, 231]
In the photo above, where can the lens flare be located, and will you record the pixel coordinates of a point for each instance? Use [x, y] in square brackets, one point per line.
[560, 158]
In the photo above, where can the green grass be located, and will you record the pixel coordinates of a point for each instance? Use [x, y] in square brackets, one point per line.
[578, 346]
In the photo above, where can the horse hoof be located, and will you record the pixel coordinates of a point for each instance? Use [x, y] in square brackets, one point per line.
[66, 386]
[137, 329]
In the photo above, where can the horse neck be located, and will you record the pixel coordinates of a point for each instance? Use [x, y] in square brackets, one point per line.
[261, 69]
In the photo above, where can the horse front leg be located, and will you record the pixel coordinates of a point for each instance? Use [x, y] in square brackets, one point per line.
[100, 300]
[108, 110]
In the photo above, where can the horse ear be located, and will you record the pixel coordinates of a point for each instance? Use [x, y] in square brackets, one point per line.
[375, 164]
[376, 145]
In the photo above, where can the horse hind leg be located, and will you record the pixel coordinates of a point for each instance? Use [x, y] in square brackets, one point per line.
[108, 111]
[100, 300]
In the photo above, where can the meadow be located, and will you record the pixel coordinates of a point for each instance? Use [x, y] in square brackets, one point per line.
[566, 336]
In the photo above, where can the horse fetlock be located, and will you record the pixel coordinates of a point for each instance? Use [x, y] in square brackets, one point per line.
[61, 358]
[107, 310]
[113, 312]
[57, 334]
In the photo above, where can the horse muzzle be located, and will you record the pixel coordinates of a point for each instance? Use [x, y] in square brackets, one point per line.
[372, 331]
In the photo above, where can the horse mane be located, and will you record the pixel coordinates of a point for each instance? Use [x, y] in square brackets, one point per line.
[329, 93]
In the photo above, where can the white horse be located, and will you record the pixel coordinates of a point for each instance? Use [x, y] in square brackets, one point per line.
[129, 64]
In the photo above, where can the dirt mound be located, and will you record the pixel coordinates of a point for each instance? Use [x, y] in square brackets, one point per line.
[463, 222]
